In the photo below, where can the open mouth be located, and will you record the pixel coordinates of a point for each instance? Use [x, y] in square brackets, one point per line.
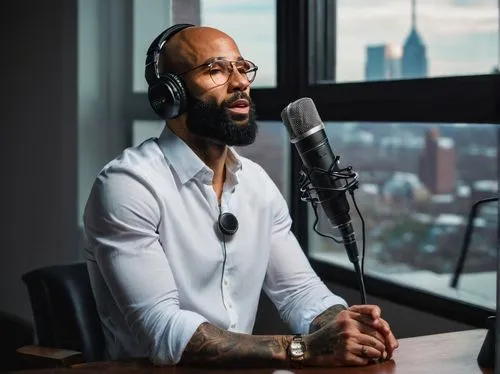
[240, 106]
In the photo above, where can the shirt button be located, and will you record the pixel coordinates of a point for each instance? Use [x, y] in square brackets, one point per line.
[225, 282]
[233, 325]
[230, 306]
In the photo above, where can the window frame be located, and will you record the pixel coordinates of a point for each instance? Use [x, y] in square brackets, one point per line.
[466, 99]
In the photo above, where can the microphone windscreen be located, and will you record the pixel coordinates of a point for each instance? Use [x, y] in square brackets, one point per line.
[300, 116]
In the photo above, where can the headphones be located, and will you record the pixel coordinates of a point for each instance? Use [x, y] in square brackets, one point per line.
[166, 93]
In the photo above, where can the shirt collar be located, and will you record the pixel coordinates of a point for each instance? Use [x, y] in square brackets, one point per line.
[187, 164]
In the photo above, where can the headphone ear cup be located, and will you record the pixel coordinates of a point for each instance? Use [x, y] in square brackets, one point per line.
[168, 96]
[156, 96]
[176, 97]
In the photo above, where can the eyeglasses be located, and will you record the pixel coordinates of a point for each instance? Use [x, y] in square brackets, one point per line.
[220, 70]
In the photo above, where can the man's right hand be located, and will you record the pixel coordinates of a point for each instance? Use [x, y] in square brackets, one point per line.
[348, 340]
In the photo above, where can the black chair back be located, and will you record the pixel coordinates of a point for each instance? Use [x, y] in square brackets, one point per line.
[64, 309]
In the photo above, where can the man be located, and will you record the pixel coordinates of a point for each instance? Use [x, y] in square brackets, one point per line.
[172, 280]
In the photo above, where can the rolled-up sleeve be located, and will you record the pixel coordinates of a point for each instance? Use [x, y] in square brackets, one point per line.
[291, 283]
[121, 219]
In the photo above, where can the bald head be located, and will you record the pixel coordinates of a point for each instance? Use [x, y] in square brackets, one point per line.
[194, 46]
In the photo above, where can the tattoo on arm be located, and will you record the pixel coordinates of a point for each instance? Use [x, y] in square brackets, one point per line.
[326, 317]
[212, 346]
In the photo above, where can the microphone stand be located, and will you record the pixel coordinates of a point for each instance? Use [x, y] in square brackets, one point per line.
[467, 238]
[486, 356]
[310, 194]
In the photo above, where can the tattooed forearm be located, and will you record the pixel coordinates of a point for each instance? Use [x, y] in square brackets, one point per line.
[212, 346]
[326, 317]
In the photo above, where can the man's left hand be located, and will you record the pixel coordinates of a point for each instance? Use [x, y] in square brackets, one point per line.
[370, 315]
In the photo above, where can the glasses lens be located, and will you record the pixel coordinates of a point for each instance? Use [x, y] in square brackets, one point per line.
[247, 69]
[221, 70]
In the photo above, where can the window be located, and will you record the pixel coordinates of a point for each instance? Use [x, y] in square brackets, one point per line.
[270, 150]
[376, 114]
[237, 18]
[394, 39]
[145, 129]
[418, 182]
[252, 24]
[149, 19]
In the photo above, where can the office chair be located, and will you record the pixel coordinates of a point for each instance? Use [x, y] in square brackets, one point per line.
[64, 310]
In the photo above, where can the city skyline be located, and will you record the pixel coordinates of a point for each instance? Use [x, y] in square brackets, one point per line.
[461, 36]
[394, 61]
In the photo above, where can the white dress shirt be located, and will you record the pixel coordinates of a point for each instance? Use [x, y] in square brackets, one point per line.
[159, 267]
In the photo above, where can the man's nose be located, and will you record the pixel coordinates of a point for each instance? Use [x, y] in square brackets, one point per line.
[238, 81]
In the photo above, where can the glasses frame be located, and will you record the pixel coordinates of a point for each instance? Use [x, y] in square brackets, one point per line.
[232, 64]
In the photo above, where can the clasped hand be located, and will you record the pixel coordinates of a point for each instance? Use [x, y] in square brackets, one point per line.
[356, 336]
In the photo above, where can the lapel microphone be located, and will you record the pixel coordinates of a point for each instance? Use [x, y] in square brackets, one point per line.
[228, 223]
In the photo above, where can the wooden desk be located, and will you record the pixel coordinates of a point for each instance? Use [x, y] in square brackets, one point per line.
[454, 352]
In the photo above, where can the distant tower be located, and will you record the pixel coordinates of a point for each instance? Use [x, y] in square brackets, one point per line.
[383, 62]
[414, 64]
[437, 164]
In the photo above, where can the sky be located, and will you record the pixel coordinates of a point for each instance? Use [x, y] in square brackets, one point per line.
[252, 24]
[462, 36]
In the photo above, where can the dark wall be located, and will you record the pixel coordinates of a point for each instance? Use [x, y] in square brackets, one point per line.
[38, 142]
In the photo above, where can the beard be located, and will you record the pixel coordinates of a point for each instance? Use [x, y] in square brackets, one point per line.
[216, 122]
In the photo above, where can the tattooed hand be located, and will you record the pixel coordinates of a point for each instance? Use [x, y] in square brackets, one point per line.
[354, 336]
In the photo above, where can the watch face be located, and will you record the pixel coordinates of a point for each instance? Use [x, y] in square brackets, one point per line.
[296, 349]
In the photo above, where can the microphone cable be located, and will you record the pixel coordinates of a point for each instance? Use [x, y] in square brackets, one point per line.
[307, 192]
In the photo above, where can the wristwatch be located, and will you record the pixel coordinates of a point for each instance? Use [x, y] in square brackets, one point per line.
[297, 350]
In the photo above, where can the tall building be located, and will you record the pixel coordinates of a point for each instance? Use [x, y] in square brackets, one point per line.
[437, 164]
[414, 62]
[383, 62]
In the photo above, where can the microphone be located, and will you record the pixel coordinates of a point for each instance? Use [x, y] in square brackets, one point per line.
[307, 133]
[228, 223]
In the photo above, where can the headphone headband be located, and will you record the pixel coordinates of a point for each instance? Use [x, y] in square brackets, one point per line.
[158, 42]
[156, 48]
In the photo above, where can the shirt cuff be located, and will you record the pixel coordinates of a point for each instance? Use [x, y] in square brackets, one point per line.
[175, 337]
[309, 314]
